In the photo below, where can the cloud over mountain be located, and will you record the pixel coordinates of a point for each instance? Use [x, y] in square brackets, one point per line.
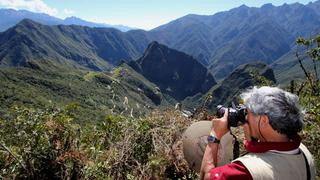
[32, 5]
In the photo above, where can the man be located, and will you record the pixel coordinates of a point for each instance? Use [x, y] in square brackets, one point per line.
[274, 150]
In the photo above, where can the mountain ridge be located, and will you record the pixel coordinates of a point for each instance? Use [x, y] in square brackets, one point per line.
[11, 17]
[93, 48]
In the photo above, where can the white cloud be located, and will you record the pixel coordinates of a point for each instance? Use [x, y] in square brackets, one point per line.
[31, 5]
[68, 11]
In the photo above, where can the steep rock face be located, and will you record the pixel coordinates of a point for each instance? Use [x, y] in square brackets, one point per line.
[93, 48]
[177, 74]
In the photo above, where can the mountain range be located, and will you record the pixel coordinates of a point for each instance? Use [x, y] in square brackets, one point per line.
[222, 41]
[182, 61]
[11, 17]
[227, 39]
[160, 78]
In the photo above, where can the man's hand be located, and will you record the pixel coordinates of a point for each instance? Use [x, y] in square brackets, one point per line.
[220, 126]
[209, 161]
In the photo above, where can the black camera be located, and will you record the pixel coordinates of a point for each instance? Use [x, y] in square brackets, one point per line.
[236, 114]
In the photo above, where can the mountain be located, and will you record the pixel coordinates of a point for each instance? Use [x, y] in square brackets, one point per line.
[265, 41]
[11, 17]
[227, 90]
[189, 35]
[315, 6]
[220, 42]
[73, 46]
[241, 35]
[176, 73]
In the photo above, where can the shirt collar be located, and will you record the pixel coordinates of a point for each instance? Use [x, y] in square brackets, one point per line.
[261, 147]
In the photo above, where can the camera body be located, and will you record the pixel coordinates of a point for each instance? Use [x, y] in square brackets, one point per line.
[236, 114]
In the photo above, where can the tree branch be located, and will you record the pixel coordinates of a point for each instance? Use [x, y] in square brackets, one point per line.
[8, 150]
[305, 72]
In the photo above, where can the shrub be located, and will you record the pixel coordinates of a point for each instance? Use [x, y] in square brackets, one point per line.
[49, 144]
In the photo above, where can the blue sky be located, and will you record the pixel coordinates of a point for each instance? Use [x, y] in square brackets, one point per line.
[145, 14]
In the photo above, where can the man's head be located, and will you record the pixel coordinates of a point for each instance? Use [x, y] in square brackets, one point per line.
[275, 107]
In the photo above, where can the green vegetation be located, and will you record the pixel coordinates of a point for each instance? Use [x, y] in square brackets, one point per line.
[309, 94]
[115, 125]
[95, 93]
[49, 144]
[73, 46]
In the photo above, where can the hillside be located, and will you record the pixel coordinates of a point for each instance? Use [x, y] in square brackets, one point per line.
[73, 46]
[252, 47]
[94, 93]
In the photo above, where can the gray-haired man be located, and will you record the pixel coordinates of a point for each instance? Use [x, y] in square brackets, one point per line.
[275, 152]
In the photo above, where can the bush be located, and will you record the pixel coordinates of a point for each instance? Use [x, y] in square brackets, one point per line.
[49, 144]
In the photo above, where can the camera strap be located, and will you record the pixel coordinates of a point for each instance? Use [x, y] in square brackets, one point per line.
[236, 146]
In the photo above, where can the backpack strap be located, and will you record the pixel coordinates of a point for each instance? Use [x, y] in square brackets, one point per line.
[307, 166]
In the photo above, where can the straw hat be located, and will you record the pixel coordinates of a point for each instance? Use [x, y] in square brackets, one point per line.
[195, 142]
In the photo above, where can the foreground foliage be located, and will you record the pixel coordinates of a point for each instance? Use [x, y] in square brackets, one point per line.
[309, 94]
[49, 144]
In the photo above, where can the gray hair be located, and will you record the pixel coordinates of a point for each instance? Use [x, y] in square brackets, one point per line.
[281, 107]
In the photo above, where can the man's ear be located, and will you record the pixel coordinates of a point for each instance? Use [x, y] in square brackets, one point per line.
[265, 120]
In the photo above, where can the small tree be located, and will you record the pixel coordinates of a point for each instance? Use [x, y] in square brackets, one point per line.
[309, 94]
[310, 49]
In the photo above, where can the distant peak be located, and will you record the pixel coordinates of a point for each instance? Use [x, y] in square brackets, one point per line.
[243, 6]
[268, 5]
[191, 16]
[293, 4]
[71, 17]
[27, 22]
[8, 9]
[154, 46]
[154, 43]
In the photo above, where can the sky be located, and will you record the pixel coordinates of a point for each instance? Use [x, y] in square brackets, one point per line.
[144, 14]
